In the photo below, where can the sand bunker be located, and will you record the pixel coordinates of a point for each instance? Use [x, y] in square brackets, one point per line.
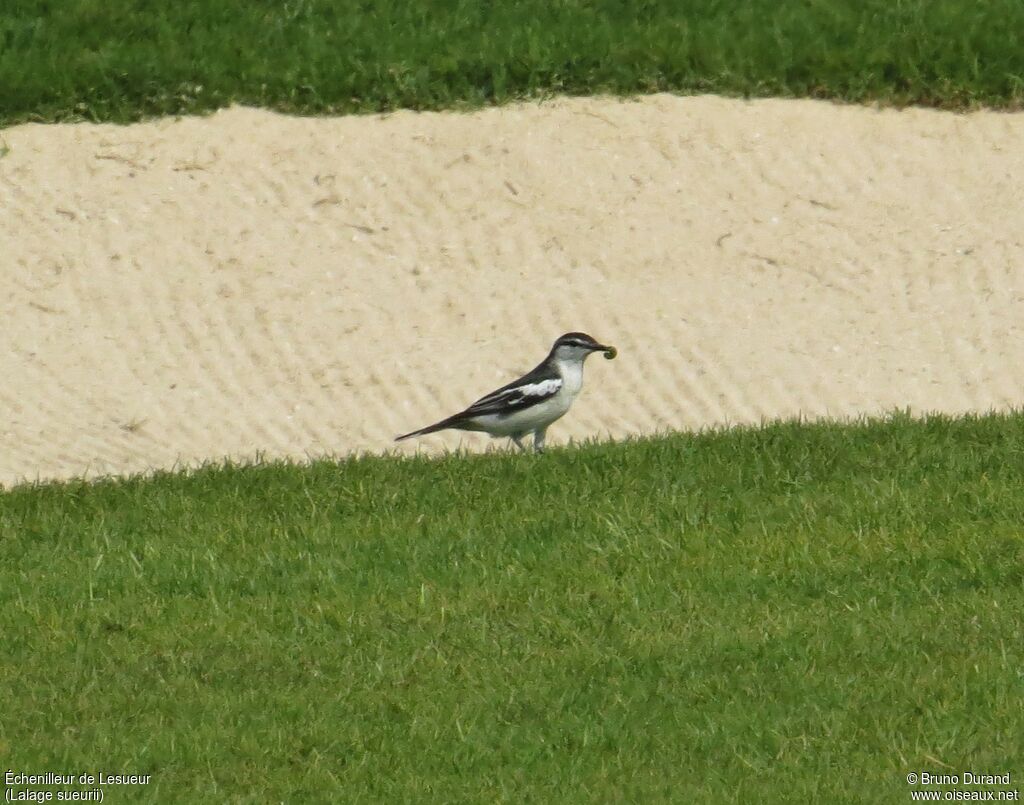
[250, 283]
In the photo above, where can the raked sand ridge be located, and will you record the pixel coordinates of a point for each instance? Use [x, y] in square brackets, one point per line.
[246, 283]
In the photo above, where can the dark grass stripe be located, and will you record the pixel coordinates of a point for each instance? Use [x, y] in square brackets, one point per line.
[117, 60]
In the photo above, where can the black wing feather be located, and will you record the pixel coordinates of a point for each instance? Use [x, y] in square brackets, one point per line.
[510, 398]
[506, 400]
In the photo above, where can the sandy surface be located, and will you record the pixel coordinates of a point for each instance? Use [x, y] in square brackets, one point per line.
[186, 290]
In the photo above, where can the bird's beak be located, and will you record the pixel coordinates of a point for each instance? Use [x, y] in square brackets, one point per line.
[609, 351]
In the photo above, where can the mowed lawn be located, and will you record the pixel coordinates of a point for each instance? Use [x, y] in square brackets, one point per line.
[120, 60]
[791, 613]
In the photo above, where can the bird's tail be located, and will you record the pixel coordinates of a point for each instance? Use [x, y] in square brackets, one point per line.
[444, 423]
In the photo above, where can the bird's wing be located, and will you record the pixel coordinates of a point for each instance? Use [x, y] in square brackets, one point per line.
[539, 385]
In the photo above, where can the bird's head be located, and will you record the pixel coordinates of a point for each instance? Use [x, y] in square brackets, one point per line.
[573, 347]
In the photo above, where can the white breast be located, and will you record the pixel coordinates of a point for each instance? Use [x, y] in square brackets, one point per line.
[572, 378]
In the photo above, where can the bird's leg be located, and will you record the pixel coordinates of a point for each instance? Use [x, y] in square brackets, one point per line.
[538, 440]
[518, 439]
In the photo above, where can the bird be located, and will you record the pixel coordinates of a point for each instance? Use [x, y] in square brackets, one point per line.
[531, 403]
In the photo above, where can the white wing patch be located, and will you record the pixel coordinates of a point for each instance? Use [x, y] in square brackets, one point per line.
[516, 398]
[542, 389]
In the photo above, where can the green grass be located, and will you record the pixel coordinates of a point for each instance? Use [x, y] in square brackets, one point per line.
[793, 613]
[117, 60]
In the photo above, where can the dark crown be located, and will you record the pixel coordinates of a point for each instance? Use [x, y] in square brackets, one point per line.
[575, 340]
